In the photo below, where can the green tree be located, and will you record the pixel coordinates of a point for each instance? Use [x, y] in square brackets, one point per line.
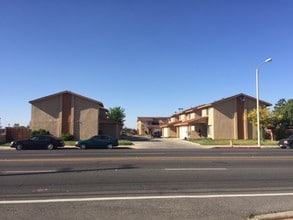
[268, 120]
[278, 120]
[117, 114]
[284, 109]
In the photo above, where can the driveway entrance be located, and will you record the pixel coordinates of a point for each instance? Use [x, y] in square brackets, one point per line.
[163, 143]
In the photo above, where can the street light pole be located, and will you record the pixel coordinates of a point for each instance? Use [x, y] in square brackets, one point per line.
[257, 100]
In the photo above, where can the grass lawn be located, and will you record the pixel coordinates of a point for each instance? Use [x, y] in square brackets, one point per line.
[207, 141]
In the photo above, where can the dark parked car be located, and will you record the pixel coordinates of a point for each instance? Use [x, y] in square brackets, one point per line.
[98, 141]
[37, 142]
[156, 134]
[287, 142]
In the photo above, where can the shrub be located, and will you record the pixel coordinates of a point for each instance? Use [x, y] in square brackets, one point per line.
[67, 137]
[39, 132]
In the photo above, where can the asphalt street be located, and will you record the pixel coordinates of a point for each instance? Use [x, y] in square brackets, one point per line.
[183, 182]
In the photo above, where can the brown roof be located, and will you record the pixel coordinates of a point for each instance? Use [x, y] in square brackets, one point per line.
[65, 92]
[169, 124]
[192, 121]
[222, 100]
[239, 95]
[151, 118]
[198, 120]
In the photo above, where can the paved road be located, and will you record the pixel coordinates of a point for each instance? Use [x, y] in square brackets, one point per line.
[145, 184]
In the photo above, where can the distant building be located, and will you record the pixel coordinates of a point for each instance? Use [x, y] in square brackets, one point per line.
[70, 113]
[148, 125]
[222, 119]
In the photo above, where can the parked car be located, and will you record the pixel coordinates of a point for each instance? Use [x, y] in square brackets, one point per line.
[287, 142]
[156, 134]
[98, 141]
[38, 142]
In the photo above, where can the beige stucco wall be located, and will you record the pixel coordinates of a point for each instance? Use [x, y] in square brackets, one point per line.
[165, 132]
[47, 114]
[86, 118]
[251, 129]
[225, 120]
[112, 129]
[139, 127]
[210, 126]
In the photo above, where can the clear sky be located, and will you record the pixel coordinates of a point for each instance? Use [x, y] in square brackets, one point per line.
[150, 57]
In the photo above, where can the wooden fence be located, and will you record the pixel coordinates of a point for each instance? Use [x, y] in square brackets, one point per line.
[2, 138]
[17, 133]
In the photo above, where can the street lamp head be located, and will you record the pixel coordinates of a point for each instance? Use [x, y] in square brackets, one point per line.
[268, 60]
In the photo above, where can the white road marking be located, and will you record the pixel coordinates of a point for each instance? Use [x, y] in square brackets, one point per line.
[48, 154]
[144, 198]
[134, 153]
[195, 169]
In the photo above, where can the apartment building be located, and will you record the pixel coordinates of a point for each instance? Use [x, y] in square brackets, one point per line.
[70, 113]
[223, 119]
[148, 125]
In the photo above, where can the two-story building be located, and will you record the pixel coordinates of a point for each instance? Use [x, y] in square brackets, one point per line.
[69, 113]
[149, 125]
[222, 119]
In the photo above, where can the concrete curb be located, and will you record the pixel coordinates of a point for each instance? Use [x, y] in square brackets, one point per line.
[138, 146]
[11, 148]
[238, 147]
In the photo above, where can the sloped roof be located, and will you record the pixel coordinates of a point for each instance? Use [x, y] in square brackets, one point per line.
[241, 95]
[223, 100]
[66, 92]
[145, 119]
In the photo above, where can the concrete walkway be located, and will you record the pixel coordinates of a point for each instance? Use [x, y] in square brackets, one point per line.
[174, 143]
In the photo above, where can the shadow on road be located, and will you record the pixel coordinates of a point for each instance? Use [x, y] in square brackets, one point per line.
[120, 147]
[67, 170]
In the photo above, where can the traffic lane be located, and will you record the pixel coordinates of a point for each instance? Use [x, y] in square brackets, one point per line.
[172, 208]
[133, 179]
[143, 152]
[145, 160]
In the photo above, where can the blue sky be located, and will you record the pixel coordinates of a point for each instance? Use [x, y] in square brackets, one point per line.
[150, 57]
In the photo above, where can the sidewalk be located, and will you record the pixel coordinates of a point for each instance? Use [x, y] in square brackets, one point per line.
[171, 143]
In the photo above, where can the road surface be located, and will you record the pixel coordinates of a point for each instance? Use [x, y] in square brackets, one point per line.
[145, 184]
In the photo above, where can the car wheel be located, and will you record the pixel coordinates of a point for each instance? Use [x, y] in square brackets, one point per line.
[82, 147]
[50, 147]
[110, 146]
[19, 147]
